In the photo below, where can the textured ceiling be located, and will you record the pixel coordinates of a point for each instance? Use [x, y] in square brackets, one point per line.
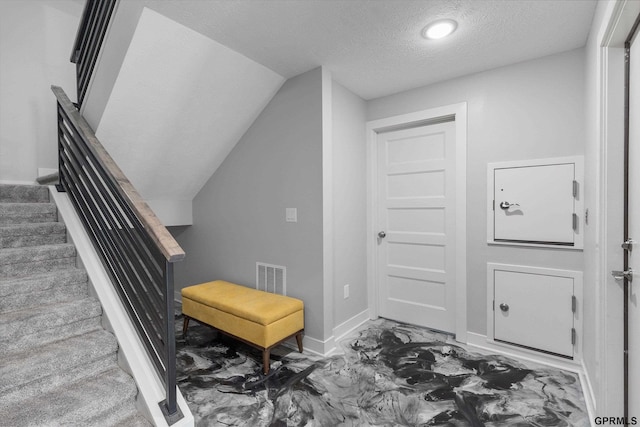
[374, 47]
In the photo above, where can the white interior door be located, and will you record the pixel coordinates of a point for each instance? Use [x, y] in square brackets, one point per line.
[634, 228]
[416, 223]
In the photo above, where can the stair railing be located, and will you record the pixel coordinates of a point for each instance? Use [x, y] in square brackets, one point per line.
[136, 249]
[91, 31]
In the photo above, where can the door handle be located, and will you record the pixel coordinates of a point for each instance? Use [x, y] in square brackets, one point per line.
[619, 275]
[507, 205]
[504, 307]
[382, 234]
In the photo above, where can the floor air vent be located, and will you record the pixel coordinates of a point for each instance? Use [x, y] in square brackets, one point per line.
[271, 278]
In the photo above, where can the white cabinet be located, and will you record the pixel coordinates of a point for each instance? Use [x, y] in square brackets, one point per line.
[536, 308]
[535, 202]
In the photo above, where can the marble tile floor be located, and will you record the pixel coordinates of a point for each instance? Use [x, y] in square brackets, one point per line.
[386, 374]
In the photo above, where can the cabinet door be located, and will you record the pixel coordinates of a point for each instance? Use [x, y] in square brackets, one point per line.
[535, 204]
[534, 310]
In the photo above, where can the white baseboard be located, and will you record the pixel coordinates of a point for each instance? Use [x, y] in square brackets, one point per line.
[151, 390]
[328, 347]
[589, 394]
[350, 325]
[481, 342]
[317, 347]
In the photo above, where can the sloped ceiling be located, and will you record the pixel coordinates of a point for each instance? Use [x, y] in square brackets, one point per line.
[180, 103]
[374, 47]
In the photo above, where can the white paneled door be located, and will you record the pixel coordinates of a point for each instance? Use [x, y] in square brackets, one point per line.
[416, 225]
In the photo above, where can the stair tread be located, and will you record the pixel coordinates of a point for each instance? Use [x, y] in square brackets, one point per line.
[45, 316]
[31, 207]
[86, 402]
[30, 228]
[7, 252]
[23, 213]
[15, 261]
[70, 274]
[26, 193]
[32, 234]
[19, 293]
[52, 359]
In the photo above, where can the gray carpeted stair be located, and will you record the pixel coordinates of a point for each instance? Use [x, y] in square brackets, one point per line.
[21, 235]
[58, 366]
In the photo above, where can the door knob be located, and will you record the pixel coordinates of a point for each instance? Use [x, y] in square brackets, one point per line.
[507, 205]
[382, 234]
[504, 307]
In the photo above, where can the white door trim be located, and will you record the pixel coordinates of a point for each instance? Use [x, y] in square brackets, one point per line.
[459, 113]
[619, 17]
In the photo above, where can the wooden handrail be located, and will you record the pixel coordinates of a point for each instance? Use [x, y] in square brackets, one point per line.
[157, 231]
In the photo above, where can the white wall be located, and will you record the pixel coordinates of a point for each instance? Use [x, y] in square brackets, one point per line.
[529, 110]
[180, 103]
[349, 203]
[239, 215]
[36, 39]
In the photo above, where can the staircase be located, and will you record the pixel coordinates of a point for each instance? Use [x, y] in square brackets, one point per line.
[58, 366]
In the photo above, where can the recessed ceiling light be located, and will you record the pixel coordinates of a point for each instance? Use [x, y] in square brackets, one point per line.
[439, 29]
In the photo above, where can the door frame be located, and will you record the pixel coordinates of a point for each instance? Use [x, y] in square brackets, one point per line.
[607, 393]
[457, 112]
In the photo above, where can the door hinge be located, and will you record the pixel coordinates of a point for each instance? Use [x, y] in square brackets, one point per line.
[574, 303]
[627, 245]
[575, 189]
[626, 274]
[573, 336]
[574, 219]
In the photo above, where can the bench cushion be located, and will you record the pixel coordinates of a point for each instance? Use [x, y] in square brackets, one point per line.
[259, 317]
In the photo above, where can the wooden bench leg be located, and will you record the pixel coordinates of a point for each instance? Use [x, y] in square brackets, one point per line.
[299, 341]
[266, 360]
[185, 325]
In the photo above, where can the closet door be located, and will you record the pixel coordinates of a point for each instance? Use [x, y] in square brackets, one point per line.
[535, 311]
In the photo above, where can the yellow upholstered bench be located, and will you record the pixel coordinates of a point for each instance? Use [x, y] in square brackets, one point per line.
[258, 318]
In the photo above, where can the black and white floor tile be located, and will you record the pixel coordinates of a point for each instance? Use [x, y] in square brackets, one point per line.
[387, 374]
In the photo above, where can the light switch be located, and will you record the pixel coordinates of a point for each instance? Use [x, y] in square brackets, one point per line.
[291, 215]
